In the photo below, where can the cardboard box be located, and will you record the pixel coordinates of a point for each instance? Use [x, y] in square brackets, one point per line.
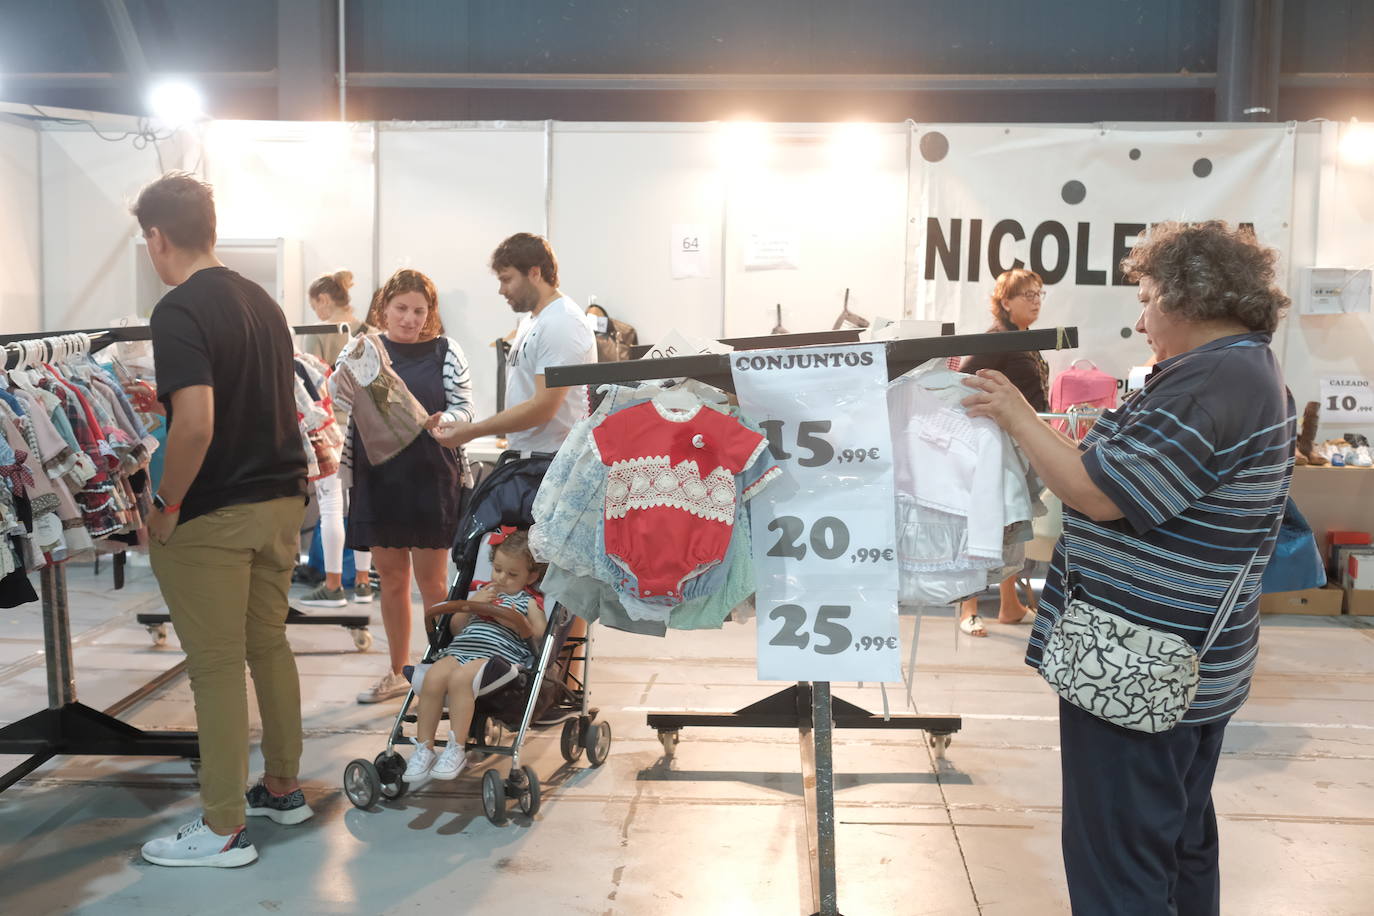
[1311, 601]
[1359, 571]
[1360, 602]
[1339, 544]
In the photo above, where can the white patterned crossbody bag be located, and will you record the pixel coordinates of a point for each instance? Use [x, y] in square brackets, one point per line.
[1124, 673]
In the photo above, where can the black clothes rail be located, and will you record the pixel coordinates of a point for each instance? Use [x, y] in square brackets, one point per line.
[68, 726]
[103, 337]
[902, 355]
[803, 339]
[808, 706]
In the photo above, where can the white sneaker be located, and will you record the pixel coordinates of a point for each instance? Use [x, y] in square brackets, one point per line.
[388, 685]
[197, 844]
[452, 761]
[421, 764]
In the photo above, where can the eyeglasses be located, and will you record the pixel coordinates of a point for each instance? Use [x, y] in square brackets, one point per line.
[1036, 295]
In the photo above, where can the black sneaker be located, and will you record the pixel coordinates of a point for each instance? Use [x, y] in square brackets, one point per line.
[284, 809]
[305, 574]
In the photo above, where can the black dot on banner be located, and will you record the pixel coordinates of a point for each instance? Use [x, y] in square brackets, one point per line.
[934, 146]
[1202, 168]
[1125, 332]
[1073, 192]
[1134, 154]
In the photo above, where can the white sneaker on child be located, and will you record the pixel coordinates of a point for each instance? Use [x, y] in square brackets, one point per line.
[421, 764]
[451, 761]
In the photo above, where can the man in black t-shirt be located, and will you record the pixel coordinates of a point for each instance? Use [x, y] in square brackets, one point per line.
[228, 511]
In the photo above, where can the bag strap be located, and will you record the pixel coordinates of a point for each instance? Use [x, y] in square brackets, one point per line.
[1224, 612]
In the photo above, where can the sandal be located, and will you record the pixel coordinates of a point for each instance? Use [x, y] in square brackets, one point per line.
[973, 626]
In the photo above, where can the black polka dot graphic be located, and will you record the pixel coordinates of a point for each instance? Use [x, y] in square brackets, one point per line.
[1125, 332]
[1202, 168]
[1073, 192]
[934, 146]
[1134, 154]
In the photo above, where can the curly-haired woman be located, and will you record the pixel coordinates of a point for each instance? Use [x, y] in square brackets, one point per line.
[1171, 500]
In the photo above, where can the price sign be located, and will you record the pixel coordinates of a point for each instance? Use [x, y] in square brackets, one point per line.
[825, 534]
[1347, 399]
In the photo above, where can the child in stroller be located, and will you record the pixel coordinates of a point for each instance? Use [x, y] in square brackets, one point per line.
[496, 622]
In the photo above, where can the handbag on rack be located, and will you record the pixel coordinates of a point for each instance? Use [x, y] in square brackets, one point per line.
[1076, 387]
[1296, 563]
[1129, 675]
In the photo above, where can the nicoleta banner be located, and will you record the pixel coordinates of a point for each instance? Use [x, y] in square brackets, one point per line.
[1069, 202]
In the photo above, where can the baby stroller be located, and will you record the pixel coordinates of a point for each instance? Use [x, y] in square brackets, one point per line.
[504, 498]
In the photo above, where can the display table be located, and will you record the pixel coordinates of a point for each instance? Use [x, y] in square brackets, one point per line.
[1334, 498]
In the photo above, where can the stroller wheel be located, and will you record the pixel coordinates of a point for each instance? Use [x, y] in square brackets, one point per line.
[390, 766]
[529, 794]
[361, 783]
[571, 741]
[598, 743]
[494, 797]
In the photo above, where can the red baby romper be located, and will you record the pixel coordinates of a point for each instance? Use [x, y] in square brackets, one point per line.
[670, 492]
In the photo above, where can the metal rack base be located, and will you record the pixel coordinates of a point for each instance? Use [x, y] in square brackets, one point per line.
[77, 729]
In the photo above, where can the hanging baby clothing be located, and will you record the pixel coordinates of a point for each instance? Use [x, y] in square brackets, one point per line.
[670, 494]
[963, 499]
[385, 414]
[568, 534]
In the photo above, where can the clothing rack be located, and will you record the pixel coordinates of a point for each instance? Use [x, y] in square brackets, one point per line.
[808, 706]
[68, 726]
[802, 339]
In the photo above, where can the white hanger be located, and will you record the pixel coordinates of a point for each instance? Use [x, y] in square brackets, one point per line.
[934, 374]
[677, 398]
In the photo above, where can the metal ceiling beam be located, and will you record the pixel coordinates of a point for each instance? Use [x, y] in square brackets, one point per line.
[129, 46]
[789, 82]
[1249, 47]
[266, 79]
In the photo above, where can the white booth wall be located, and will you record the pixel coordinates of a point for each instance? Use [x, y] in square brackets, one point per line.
[1333, 226]
[88, 233]
[21, 260]
[450, 194]
[439, 196]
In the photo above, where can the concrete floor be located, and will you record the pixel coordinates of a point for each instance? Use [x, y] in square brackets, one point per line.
[718, 832]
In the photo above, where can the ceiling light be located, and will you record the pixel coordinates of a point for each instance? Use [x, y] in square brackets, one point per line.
[175, 103]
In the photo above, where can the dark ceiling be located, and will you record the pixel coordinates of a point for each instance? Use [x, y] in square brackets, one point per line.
[780, 60]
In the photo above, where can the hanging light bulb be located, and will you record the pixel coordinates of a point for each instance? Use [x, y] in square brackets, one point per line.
[1357, 143]
[175, 102]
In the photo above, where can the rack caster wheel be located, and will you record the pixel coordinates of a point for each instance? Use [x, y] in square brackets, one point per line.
[361, 783]
[598, 742]
[939, 744]
[669, 737]
[494, 797]
[570, 742]
[362, 638]
[529, 797]
[391, 768]
[159, 634]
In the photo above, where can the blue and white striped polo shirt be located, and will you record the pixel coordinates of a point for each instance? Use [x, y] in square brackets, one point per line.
[1199, 464]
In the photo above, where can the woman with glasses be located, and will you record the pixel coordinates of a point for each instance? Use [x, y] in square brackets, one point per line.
[1015, 306]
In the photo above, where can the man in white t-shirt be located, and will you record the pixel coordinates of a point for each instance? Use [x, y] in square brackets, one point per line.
[557, 334]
